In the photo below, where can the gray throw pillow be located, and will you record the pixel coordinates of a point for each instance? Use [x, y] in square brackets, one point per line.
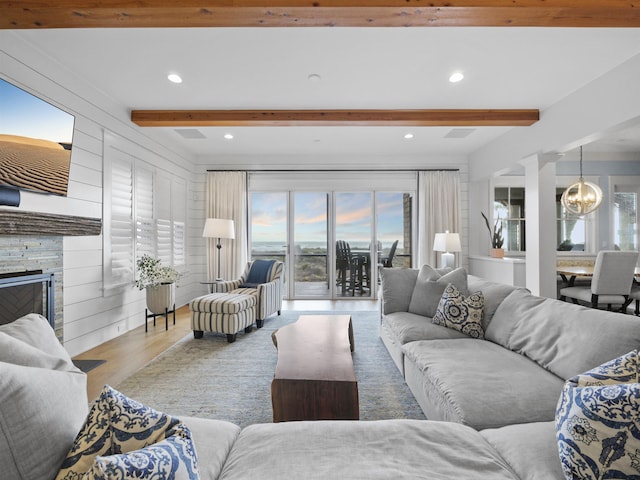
[430, 287]
[43, 400]
[397, 285]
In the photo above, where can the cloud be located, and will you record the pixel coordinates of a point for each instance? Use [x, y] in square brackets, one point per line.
[301, 219]
[351, 216]
[267, 219]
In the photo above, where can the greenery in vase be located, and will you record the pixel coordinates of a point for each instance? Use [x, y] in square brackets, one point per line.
[151, 273]
[496, 235]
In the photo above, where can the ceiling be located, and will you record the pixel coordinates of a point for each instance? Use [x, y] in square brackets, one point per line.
[359, 68]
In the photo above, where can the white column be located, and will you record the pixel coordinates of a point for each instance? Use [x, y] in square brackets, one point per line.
[540, 212]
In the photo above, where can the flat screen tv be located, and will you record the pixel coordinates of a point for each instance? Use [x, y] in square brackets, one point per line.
[35, 142]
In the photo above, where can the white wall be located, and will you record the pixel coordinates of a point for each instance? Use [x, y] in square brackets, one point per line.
[609, 101]
[91, 314]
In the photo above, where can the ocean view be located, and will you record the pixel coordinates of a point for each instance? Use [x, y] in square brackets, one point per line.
[258, 247]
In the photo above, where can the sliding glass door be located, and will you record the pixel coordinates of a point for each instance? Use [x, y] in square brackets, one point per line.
[269, 227]
[353, 221]
[332, 240]
[310, 233]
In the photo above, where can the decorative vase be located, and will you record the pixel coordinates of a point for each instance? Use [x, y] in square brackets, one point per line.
[497, 253]
[161, 298]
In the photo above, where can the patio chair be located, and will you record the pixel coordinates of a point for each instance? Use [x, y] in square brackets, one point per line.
[387, 261]
[611, 283]
[348, 267]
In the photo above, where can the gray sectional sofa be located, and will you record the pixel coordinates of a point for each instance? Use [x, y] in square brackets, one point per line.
[531, 346]
[43, 396]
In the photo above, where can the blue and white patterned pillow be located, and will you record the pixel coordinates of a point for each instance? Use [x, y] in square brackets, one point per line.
[598, 422]
[122, 438]
[459, 312]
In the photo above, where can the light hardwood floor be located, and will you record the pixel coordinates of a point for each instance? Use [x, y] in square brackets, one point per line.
[130, 352]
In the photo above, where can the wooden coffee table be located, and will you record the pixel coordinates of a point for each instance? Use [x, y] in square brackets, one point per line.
[314, 378]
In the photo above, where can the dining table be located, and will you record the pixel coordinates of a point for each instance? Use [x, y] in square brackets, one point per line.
[571, 272]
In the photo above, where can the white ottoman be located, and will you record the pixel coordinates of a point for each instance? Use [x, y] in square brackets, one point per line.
[223, 313]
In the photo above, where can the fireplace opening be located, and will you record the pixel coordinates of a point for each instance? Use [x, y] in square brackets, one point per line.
[26, 292]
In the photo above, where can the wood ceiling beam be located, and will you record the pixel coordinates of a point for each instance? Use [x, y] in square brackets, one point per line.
[34, 14]
[288, 118]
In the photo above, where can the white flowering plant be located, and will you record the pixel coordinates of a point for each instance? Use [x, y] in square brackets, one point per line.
[152, 273]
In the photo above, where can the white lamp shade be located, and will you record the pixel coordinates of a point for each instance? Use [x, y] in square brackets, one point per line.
[447, 242]
[219, 228]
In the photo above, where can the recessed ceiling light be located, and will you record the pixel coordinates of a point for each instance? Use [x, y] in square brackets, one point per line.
[456, 77]
[174, 78]
[228, 136]
[314, 77]
[408, 135]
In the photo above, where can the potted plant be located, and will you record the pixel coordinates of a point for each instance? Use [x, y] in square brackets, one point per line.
[159, 282]
[495, 237]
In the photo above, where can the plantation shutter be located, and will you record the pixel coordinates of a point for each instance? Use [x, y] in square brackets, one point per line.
[164, 227]
[145, 225]
[120, 235]
[179, 215]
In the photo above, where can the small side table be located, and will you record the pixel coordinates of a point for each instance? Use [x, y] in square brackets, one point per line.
[213, 286]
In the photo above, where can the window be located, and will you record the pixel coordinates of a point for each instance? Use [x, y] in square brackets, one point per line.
[138, 218]
[571, 231]
[626, 193]
[508, 210]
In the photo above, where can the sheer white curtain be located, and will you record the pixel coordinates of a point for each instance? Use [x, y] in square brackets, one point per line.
[438, 210]
[226, 197]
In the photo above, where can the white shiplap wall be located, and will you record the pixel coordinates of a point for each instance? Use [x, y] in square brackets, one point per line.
[92, 314]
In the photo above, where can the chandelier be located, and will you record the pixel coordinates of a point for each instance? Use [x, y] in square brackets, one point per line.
[581, 197]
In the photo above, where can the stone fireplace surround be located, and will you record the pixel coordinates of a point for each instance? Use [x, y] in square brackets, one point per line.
[33, 241]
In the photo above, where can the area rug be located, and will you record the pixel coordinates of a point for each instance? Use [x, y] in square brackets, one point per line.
[211, 378]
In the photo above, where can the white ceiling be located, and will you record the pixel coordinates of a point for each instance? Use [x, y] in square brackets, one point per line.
[360, 68]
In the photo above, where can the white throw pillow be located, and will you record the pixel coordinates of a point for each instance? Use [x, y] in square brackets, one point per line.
[43, 400]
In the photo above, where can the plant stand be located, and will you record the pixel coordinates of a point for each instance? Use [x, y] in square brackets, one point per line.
[166, 313]
[160, 302]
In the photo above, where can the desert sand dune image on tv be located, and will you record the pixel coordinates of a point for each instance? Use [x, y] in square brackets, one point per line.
[34, 164]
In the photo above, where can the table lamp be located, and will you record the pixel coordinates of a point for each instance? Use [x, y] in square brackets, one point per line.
[447, 243]
[219, 228]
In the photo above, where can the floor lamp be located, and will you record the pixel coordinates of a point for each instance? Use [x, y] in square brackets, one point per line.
[219, 228]
[447, 243]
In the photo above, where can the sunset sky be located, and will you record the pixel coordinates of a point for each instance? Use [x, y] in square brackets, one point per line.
[354, 217]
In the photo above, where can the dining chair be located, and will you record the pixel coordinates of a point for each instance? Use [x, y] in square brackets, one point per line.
[611, 282]
[635, 295]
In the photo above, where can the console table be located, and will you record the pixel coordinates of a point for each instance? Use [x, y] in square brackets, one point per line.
[314, 377]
